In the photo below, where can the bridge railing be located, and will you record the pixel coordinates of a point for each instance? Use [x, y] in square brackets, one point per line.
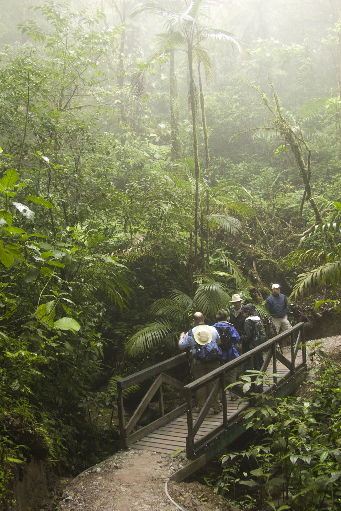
[130, 429]
[283, 348]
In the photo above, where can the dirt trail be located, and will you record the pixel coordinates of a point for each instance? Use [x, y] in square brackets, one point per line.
[135, 480]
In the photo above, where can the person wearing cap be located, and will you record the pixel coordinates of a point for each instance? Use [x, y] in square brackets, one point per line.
[236, 317]
[277, 306]
[200, 336]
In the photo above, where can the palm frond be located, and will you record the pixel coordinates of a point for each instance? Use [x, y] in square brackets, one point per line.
[168, 308]
[226, 222]
[327, 274]
[171, 40]
[220, 35]
[210, 297]
[193, 9]
[307, 258]
[333, 227]
[149, 337]
[203, 57]
[236, 273]
[182, 299]
[241, 208]
[117, 290]
[149, 6]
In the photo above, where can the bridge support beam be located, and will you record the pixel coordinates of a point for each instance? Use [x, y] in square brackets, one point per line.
[235, 430]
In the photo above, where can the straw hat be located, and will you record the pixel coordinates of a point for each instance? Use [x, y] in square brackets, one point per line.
[202, 334]
[236, 298]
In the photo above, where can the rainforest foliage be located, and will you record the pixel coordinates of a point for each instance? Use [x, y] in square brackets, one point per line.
[293, 458]
[155, 158]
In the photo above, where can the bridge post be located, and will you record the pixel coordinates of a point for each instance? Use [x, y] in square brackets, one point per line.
[161, 402]
[121, 418]
[190, 437]
[274, 362]
[223, 399]
[292, 351]
[304, 347]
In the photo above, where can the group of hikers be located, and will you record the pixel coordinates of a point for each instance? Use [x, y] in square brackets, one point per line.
[232, 334]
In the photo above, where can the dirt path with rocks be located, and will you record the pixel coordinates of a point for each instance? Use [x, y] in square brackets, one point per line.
[135, 480]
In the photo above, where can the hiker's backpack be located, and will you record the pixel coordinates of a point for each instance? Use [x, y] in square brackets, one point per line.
[207, 352]
[225, 337]
[259, 330]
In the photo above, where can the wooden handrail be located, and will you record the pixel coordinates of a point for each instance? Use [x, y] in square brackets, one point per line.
[151, 371]
[129, 429]
[237, 361]
[127, 433]
[217, 375]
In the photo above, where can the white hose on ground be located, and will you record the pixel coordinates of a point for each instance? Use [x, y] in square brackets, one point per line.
[170, 498]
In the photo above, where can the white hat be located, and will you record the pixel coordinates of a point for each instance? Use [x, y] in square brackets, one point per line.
[275, 286]
[236, 298]
[202, 334]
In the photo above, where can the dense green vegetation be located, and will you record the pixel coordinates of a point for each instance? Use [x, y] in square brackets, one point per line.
[155, 158]
[293, 460]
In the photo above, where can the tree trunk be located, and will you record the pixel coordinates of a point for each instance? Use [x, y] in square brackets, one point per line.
[173, 96]
[192, 100]
[294, 143]
[203, 120]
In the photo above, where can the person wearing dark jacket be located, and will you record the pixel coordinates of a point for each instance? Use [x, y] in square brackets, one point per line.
[278, 308]
[254, 334]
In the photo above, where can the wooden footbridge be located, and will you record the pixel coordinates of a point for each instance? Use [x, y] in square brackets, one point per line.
[177, 426]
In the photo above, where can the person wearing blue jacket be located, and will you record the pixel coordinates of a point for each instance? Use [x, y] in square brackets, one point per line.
[277, 306]
[229, 339]
[229, 336]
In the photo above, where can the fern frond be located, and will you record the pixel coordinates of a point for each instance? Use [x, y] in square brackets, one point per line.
[307, 258]
[209, 298]
[236, 273]
[149, 337]
[327, 274]
[183, 300]
[112, 387]
[220, 35]
[168, 308]
[117, 290]
[203, 57]
[170, 40]
[241, 208]
[226, 222]
[333, 227]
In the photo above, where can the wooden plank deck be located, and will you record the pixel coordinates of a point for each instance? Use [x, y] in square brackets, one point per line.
[171, 438]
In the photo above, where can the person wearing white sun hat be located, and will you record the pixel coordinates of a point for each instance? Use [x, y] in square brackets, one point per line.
[203, 342]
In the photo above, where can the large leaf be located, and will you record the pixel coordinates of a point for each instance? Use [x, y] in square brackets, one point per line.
[7, 255]
[39, 200]
[45, 313]
[8, 181]
[67, 323]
